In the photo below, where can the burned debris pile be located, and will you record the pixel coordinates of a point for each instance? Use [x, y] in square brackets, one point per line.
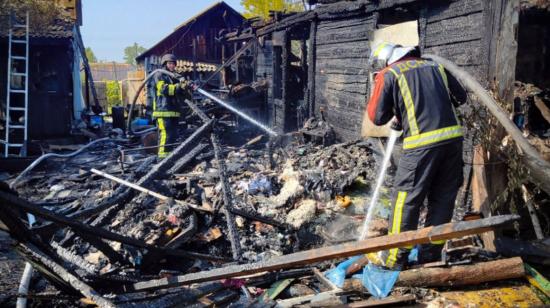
[107, 230]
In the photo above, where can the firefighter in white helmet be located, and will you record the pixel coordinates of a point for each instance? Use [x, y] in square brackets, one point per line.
[421, 96]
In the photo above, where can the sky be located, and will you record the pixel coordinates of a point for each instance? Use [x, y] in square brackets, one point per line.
[109, 26]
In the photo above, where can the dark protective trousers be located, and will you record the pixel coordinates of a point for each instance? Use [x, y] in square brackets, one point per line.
[434, 173]
[168, 134]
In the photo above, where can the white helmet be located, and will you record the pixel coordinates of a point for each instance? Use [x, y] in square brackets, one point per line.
[385, 54]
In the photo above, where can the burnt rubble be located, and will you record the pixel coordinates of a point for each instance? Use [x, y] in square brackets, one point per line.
[115, 245]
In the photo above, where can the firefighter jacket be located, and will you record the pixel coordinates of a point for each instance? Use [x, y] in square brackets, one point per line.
[422, 96]
[168, 96]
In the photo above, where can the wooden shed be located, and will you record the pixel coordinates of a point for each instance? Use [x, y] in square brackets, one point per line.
[331, 72]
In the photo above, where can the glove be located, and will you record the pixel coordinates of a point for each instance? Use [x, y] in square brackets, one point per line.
[194, 85]
[396, 125]
[184, 85]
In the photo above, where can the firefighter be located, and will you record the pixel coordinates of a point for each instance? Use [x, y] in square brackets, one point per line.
[169, 94]
[420, 97]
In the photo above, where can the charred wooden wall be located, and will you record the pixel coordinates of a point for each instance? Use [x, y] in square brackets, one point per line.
[466, 32]
[460, 30]
[341, 75]
[264, 70]
[457, 30]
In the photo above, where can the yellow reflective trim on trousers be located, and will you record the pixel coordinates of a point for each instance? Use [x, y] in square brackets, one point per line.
[162, 141]
[440, 242]
[171, 89]
[432, 137]
[407, 99]
[160, 84]
[166, 114]
[396, 225]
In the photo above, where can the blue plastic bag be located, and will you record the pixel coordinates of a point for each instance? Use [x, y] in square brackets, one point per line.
[337, 275]
[378, 281]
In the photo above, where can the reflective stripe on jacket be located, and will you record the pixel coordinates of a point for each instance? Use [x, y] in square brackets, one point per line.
[422, 96]
[165, 103]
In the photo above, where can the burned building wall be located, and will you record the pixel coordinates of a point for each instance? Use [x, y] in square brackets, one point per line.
[50, 87]
[456, 31]
[475, 34]
[461, 31]
[341, 74]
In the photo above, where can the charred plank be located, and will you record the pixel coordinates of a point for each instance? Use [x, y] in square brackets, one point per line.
[425, 235]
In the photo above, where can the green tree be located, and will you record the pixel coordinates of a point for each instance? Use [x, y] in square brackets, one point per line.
[112, 93]
[261, 8]
[90, 55]
[131, 52]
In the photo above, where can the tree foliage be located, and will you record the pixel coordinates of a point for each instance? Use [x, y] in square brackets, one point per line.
[131, 52]
[112, 93]
[90, 55]
[261, 8]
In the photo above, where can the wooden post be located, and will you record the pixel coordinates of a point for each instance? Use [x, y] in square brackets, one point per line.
[311, 68]
[237, 70]
[480, 197]
[223, 77]
[285, 61]
[87, 84]
[194, 58]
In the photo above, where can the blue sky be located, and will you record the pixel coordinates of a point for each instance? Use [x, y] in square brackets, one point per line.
[109, 26]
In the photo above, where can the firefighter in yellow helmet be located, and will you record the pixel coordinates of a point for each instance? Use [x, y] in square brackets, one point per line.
[169, 94]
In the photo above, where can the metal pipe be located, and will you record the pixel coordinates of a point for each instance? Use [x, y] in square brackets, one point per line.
[46, 156]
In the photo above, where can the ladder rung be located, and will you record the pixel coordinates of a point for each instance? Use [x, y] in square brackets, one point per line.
[17, 91]
[17, 126]
[18, 108]
[14, 145]
[19, 41]
[18, 58]
[19, 74]
[19, 26]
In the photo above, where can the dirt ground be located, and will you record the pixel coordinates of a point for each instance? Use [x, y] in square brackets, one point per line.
[11, 268]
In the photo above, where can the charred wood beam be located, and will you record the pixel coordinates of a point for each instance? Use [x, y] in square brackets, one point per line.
[12, 202]
[285, 69]
[459, 275]
[74, 259]
[409, 238]
[258, 217]
[311, 67]
[233, 234]
[171, 299]
[47, 266]
[227, 205]
[463, 275]
[102, 246]
[182, 162]
[119, 195]
[158, 171]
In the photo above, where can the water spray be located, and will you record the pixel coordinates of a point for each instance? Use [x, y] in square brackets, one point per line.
[238, 112]
[395, 132]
